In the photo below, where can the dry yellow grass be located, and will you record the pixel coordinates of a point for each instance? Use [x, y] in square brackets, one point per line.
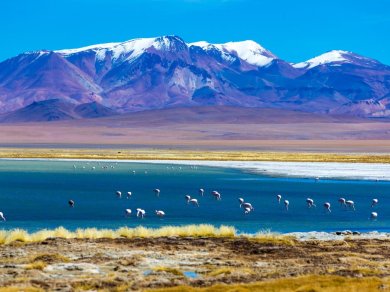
[170, 270]
[273, 239]
[168, 154]
[38, 265]
[202, 230]
[325, 283]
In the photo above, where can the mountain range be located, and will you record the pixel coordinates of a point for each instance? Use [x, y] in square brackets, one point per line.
[166, 72]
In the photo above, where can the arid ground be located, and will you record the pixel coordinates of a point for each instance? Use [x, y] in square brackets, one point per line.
[208, 128]
[246, 264]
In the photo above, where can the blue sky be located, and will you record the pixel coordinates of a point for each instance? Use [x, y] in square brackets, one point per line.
[295, 30]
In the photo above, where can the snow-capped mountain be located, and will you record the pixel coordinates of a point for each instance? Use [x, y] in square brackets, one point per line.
[151, 73]
[336, 58]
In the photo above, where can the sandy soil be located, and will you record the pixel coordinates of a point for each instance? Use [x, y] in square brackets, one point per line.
[223, 128]
[145, 263]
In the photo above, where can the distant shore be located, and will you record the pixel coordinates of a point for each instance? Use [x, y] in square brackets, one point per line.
[202, 155]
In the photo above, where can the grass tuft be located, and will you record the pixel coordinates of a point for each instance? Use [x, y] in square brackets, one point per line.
[203, 230]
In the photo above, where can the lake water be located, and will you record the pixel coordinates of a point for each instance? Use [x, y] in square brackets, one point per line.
[35, 194]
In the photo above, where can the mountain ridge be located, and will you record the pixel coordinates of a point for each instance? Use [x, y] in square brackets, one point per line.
[155, 73]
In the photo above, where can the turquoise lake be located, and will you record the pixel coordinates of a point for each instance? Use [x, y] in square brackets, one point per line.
[35, 194]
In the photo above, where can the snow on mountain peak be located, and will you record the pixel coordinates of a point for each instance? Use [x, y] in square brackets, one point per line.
[249, 51]
[129, 50]
[334, 56]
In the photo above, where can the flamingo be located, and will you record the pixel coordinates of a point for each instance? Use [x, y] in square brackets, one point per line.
[160, 213]
[374, 202]
[247, 211]
[216, 195]
[71, 203]
[2, 216]
[201, 192]
[327, 207]
[342, 202]
[127, 212]
[119, 194]
[128, 195]
[192, 201]
[157, 192]
[310, 202]
[350, 204]
[279, 197]
[286, 203]
[141, 213]
[374, 215]
[246, 205]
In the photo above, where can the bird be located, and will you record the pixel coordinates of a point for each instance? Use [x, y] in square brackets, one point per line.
[310, 202]
[342, 202]
[286, 203]
[140, 213]
[157, 192]
[216, 195]
[327, 207]
[374, 202]
[119, 194]
[247, 210]
[192, 201]
[128, 212]
[201, 192]
[350, 204]
[279, 197]
[374, 215]
[160, 213]
[245, 205]
[2, 216]
[128, 195]
[71, 203]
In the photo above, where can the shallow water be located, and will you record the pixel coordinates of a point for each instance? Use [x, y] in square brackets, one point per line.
[35, 194]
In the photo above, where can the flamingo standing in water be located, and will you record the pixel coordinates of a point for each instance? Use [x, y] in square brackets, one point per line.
[342, 202]
[119, 194]
[245, 205]
[160, 213]
[157, 192]
[279, 197]
[286, 203]
[71, 203]
[374, 202]
[327, 207]
[192, 201]
[2, 216]
[350, 204]
[201, 192]
[247, 210]
[127, 212]
[374, 215]
[216, 195]
[128, 195]
[140, 213]
[310, 202]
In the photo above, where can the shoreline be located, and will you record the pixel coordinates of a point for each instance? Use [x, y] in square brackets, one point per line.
[201, 155]
[10, 236]
[304, 170]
